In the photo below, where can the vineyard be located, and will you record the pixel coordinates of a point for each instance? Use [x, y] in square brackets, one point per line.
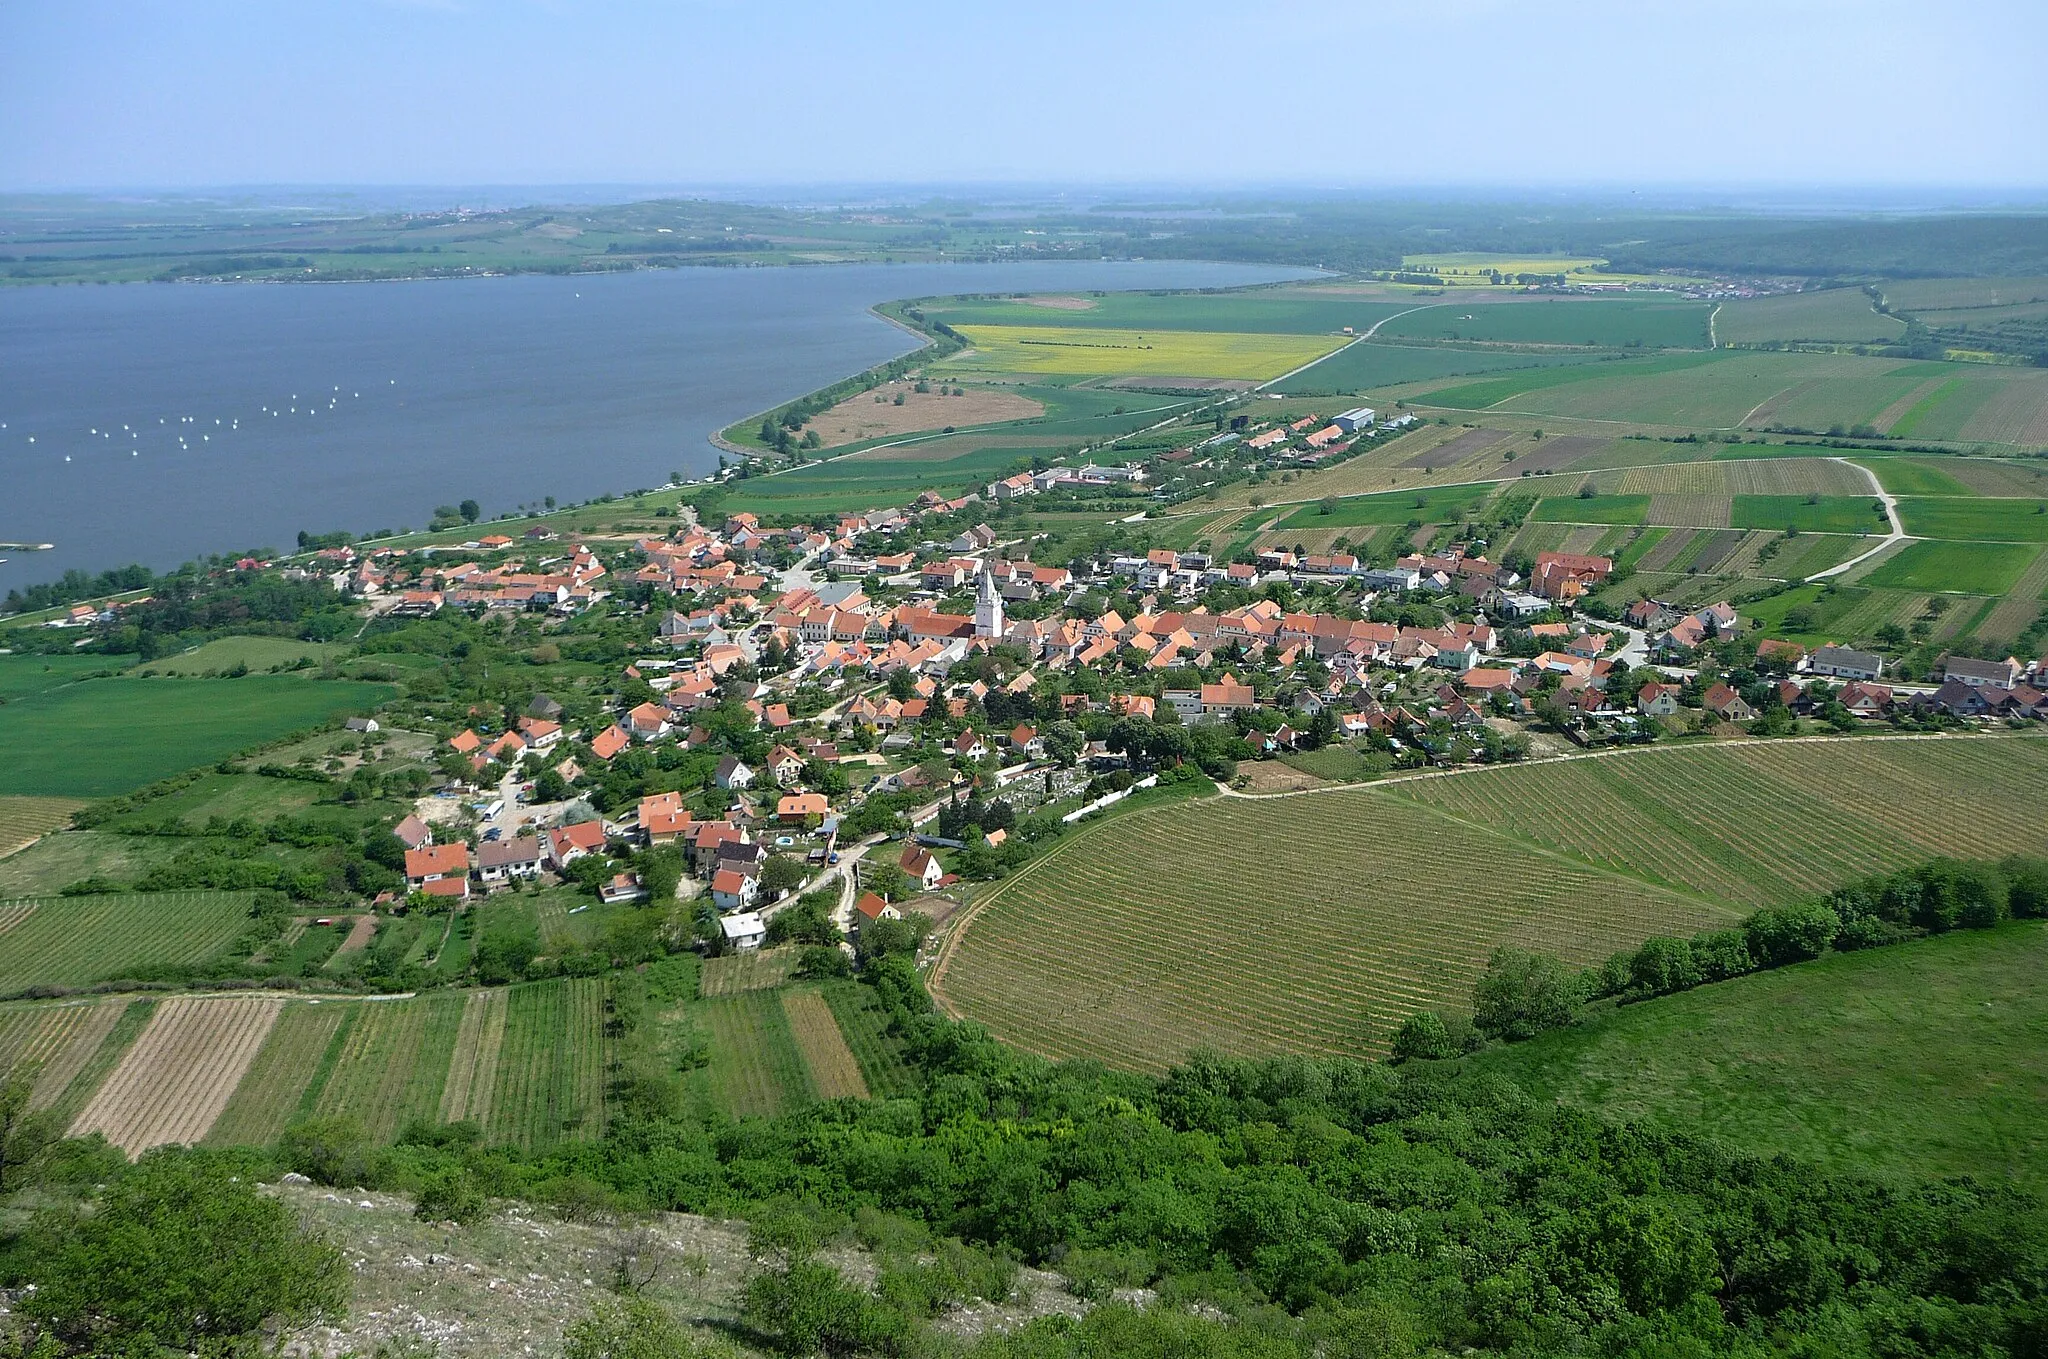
[24, 820]
[834, 1072]
[752, 971]
[1316, 924]
[273, 1092]
[180, 1073]
[392, 1064]
[756, 1066]
[56, 1040]
[75, 941]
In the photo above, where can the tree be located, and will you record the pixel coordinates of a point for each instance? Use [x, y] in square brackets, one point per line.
[902, 684]
[181, 1254]
[471, 511]
[1523, 994]
[781, 874]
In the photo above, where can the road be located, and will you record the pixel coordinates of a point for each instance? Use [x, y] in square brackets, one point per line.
[1891, 512]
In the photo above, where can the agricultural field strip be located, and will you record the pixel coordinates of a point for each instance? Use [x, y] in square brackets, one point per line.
[393, 1064]
[738, 972]
[834, 1072]
[58, 1040]
[865, 1027]
[756, 1067]
[473, 1067]
[76, 940]
[25, 820]
[2020, 605]
[274, 1086]
[181, 1072]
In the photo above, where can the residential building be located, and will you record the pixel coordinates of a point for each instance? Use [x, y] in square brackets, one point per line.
[502, 861]
[744, 930]
[1978, 674]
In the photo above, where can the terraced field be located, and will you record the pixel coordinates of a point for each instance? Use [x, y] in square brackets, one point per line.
[1316, 924]
[75, 941]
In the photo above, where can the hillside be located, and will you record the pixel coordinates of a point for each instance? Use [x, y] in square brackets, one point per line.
[1921, 1060]
[1317, 923]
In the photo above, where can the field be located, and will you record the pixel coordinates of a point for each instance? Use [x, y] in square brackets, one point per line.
[107, 736]
[756, 1065]
[225, 654]
[75, 941]
[393, 1063]
[1268, 311]
[875, 415]
[1960, 568]
[24, 820]
[56, 1041]
[865, 1026]
[755, 971]
[1217, 925]
[834, 1072]
[1833, 315]
[180, 1073]
[1085, 352]
[1613, 323]
[272, 1093]
[1431, 506]
[1372, 364]
[1917, 1061]
[1975, 518]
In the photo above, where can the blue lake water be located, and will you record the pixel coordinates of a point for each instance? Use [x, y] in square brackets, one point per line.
[154, 423]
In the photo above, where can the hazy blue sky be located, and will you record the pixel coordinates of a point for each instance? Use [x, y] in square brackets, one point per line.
[1799, 93]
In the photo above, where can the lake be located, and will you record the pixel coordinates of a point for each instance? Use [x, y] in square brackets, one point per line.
[156, 422]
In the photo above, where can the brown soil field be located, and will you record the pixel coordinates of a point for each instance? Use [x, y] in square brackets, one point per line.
[1062, 303]
[833, 1070]
[1271, 776]
[175, 1080]
[865, 417]
[359, 936]
[25, 820]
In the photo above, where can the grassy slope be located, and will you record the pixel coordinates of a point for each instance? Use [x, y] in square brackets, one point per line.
[1928, 1058]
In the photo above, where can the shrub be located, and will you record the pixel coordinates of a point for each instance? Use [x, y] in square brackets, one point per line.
[1523, 994]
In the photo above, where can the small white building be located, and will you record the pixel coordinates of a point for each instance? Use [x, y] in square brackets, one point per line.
[744, 930]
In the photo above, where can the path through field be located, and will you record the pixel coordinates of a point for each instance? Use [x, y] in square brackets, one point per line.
[175, 1081]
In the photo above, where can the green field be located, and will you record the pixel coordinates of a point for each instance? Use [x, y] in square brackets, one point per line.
[1591, 509]
[1975, 518]
[1317, 923]
[1957, 568]
[75, 941]
[756, 1067]
[1810, 514]
[23, 675]
[1833, 315]
[1431, 506]
[1372, 365]
[254, 653]
[107, 736]
[1610, 323]
[1076, 351]
[1914, 476]
[1921, 1060]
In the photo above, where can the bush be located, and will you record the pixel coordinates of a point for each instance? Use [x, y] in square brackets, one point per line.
[452, 1196]
[332, 1151]
[1523, 994]
[1790, 934]
[1428, 1036]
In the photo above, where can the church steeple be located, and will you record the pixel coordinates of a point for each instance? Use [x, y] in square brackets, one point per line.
[988, 605]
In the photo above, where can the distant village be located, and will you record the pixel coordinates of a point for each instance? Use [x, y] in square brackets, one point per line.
[909, 687]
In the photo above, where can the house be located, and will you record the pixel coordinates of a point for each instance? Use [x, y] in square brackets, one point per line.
[785, 766]
[872, 907]
[1978, 674]
[541, 734]
[1026, 741]
[648, 722]
[1865, 699]
[922, 866]
[1791, 655]
[1726, 704]
[566, 844]
[439, 864]
[366, 725]
[743, 930]
[413, 833]
[732, 890]
[732, 774]
[1657, 700]
[968, 746]
[501, 861]
[621, 887]
[797, 809]
[1681, 637]
[1957, 698]
[662, 818]
[1840, 662]
[466, 743]
[610, 742]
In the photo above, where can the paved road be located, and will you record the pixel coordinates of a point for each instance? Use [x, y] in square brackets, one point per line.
[1891, 512]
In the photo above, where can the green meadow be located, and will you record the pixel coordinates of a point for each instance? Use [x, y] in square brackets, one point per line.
[1977, 518]
[107, 736]
[1954, 568]
[1611, 323]
[1439, 505]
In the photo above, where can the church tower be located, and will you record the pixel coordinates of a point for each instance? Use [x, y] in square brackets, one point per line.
[988, 606]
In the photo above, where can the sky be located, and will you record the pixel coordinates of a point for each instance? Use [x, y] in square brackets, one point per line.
[1328, 94]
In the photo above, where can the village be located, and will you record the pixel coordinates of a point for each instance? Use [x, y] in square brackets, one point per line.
[876, 707]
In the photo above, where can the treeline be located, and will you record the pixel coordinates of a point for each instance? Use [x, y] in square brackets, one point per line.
[1523, 994]
[75, 585]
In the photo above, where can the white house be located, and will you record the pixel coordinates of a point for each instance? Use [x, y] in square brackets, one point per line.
[744, 930]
